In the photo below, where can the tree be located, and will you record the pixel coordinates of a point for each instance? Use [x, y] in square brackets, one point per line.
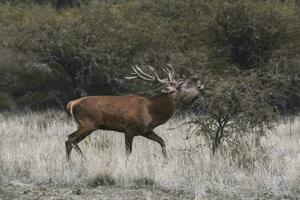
[246, 33]
[233, 106]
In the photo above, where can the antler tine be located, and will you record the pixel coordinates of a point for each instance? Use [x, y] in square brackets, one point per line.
[155, 73]
[131, 77]
[144, 73]
[172, 69]
[138, 74]
[168, 72]
[171, 72]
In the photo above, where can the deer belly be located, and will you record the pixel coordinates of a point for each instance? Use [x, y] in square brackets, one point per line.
[113, 123]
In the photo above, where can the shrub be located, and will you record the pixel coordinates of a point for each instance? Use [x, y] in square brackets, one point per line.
[102, 180]
[246, 33]
[88, 50]
[233, 106]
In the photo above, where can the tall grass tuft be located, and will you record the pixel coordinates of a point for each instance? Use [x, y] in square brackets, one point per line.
[32, 148]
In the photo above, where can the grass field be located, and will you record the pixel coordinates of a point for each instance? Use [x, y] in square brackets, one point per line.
[32, 153]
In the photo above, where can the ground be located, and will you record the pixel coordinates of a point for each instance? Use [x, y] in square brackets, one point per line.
[17, 190]
[21, 191]
[33, 164]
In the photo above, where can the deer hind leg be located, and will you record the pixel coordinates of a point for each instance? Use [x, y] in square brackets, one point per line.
[69, 144]
[74, 139]
[152, 136]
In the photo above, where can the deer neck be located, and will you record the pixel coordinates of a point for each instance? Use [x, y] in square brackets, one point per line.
[162, 108]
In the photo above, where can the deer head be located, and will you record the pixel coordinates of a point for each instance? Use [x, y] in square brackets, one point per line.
[182, 89]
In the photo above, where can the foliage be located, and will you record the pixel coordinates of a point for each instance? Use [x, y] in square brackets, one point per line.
[57, 3]
[232, 106]
[81, 52]
[247, 53]
[247, 32]
[102, 180]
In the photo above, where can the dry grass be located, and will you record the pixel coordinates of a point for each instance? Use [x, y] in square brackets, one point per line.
[32, 149]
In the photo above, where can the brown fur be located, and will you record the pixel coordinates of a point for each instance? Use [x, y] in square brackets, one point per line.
[133, 115]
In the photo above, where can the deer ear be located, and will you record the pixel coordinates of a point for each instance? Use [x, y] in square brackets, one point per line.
[179, 83]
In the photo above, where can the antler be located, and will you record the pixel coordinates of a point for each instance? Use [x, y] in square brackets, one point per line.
[139, 73]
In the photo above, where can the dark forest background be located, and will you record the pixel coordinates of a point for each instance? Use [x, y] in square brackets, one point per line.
[246, 52]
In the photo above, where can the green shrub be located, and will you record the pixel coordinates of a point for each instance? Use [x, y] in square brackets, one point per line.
[246, 33]
[88, 50]
[232, 106]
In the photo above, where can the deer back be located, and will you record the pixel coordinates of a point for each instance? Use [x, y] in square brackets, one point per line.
[119, 113]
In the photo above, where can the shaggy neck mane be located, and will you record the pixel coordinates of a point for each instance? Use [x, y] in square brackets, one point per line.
[159, 96]
[162, 107]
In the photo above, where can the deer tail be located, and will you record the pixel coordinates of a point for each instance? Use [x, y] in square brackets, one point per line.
[70, 108]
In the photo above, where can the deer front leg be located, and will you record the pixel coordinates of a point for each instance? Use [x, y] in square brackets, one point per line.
[152, 136]
[68, 149]
[128, 143]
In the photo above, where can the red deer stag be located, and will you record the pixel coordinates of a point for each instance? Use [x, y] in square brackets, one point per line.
[132, 115]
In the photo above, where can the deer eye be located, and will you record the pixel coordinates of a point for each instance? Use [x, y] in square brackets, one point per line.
[181, 83]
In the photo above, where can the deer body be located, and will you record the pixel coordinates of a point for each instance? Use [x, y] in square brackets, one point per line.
[122, 113]
[132, 115]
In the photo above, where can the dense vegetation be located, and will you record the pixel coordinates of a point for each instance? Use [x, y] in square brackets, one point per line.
[247, 53]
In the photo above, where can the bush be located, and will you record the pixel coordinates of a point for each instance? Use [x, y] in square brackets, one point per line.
[233, 106]
[246, 33]
[57, 3]
[102, 180]
[88, 50]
